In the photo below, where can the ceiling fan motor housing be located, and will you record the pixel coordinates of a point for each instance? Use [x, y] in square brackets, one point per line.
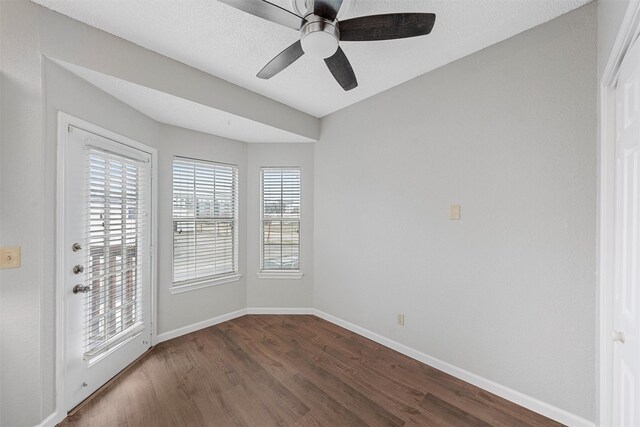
[319, 36]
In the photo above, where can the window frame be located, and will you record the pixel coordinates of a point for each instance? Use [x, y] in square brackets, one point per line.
[211, 280]
[280, 274]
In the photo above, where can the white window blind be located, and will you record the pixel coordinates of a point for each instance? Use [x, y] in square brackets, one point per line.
[117, 229]
[204, 220]
[280, 219]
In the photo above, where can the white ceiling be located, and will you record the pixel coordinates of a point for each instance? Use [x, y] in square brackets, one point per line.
[177, 111]
[233, 45]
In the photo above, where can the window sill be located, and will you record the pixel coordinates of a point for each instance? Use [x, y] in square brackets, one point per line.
[205, 283]
[281, 275]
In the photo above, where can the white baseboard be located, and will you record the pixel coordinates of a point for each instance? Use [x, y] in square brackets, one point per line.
[269, 310]
[199, 325]
[219, 319]
[514, 396]
[51, 420]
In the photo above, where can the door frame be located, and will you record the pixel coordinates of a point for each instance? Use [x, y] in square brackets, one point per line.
[627, 34]
[64, 121]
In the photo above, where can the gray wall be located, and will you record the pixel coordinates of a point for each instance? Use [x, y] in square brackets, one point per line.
[22, 214]
[33, 90]
[508, 132]
[280, 293]
[508, 292]
[184, 309]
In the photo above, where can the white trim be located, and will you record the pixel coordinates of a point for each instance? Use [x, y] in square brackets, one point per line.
[282, 275]
[514, 396]
[64, 121]
[165, 336]
[69, 120]
[107, 144]
[58, 413]
[204, 283]
[229, 316]
[50, 421]
[629, 31]
[270, 310]
[154, 245]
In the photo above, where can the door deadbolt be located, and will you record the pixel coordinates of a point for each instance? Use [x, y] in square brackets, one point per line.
[78, 269]
[76, 247]
[80, 289]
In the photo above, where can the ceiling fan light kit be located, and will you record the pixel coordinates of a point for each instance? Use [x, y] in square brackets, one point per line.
[319, 37]
[321, 33]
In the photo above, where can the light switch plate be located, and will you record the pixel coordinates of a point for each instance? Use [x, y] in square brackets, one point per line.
[10, 257]
[454, 212]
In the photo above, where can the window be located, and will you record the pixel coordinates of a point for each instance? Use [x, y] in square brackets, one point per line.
[280, 219]
[117, 231]
[205, 234]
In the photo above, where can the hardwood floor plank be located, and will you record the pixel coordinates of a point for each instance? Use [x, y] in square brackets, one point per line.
[331, 412]
[273, 370]
[309, 420]
[363, 407]
[423, 377]
[288, 403]
[402, 403]
[452, 414]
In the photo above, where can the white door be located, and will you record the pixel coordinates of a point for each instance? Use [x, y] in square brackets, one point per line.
[107, 202]
[626, 316]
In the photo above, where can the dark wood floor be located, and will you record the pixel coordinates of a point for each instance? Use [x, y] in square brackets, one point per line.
[290, 371]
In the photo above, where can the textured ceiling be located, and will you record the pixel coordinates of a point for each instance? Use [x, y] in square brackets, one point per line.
[181, 112]
[233, 45]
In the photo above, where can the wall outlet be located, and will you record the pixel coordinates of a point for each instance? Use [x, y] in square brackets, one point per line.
[401, 319]
[10, 257]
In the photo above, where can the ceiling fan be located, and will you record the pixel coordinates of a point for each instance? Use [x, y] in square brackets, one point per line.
[321, 33]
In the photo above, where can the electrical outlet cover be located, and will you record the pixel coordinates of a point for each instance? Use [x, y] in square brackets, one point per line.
[401, 319]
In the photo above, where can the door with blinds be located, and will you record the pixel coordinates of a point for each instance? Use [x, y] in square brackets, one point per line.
[107, 258]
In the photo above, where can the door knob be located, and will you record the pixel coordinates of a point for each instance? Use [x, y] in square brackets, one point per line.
[81, 289]
[78, 269]
[618, 336]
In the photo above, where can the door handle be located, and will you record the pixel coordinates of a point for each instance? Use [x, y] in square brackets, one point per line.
[81, 289]
[78, 269]
[618, 336]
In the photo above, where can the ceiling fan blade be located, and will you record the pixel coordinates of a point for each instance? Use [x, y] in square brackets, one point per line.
[266, 10]
[386, 27]
[341, 69]
[327, 8]
[282, 61]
